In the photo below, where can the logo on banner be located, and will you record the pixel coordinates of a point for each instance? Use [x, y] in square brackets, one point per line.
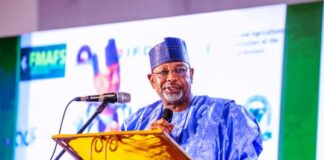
[259, 107]
[43, 62]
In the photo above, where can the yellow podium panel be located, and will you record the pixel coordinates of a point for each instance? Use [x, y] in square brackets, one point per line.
[127, 145]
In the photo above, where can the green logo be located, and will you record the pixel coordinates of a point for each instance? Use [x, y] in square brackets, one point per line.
[43, 62]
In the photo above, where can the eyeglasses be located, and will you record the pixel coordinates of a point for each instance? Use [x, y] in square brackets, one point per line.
[178, 71]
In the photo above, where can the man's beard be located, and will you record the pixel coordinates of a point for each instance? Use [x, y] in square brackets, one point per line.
[173, 97]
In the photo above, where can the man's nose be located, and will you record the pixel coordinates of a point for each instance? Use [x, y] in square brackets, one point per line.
[172, 76]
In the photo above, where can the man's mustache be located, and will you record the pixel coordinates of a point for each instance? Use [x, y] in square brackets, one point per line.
[167, 85]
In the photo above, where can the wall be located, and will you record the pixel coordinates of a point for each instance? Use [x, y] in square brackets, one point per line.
[31, 15]
[18, 16]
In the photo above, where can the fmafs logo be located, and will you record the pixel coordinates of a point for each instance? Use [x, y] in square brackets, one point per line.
[43, 62]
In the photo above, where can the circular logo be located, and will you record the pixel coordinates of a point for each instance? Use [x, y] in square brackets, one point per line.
[259, 107]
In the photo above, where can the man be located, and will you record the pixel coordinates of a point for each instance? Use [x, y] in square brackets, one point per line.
[205, 127]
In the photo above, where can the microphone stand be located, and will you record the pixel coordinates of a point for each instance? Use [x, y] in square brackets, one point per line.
[98, 111]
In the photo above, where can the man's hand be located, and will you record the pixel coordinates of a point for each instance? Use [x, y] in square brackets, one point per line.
[162, 124]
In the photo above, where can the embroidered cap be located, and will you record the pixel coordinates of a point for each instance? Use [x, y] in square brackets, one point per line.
[171, 50]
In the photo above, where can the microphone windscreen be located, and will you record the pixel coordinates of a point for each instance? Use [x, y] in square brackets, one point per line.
[167, 114]
[123, 97]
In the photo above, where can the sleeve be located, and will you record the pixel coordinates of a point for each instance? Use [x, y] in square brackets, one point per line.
[142, 119]
[133, 121]
[244, 134]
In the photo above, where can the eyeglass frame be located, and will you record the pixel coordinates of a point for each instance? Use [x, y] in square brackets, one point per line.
[176, 71]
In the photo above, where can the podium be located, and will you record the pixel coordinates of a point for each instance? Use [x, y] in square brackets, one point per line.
[132, 145]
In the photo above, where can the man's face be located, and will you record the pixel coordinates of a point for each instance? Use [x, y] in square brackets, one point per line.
[172, 81]
[110, 81]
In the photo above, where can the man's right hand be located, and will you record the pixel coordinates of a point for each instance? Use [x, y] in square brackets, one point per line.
[162, 124]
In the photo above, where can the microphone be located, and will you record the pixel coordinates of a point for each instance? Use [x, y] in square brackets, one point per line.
[120, 97]
[167, 114]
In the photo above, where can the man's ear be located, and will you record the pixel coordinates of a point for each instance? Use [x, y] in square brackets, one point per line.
[191, 74]
[151, 79]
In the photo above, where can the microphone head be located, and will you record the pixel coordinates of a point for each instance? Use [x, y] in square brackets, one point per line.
[123, 97]
[167, 114]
